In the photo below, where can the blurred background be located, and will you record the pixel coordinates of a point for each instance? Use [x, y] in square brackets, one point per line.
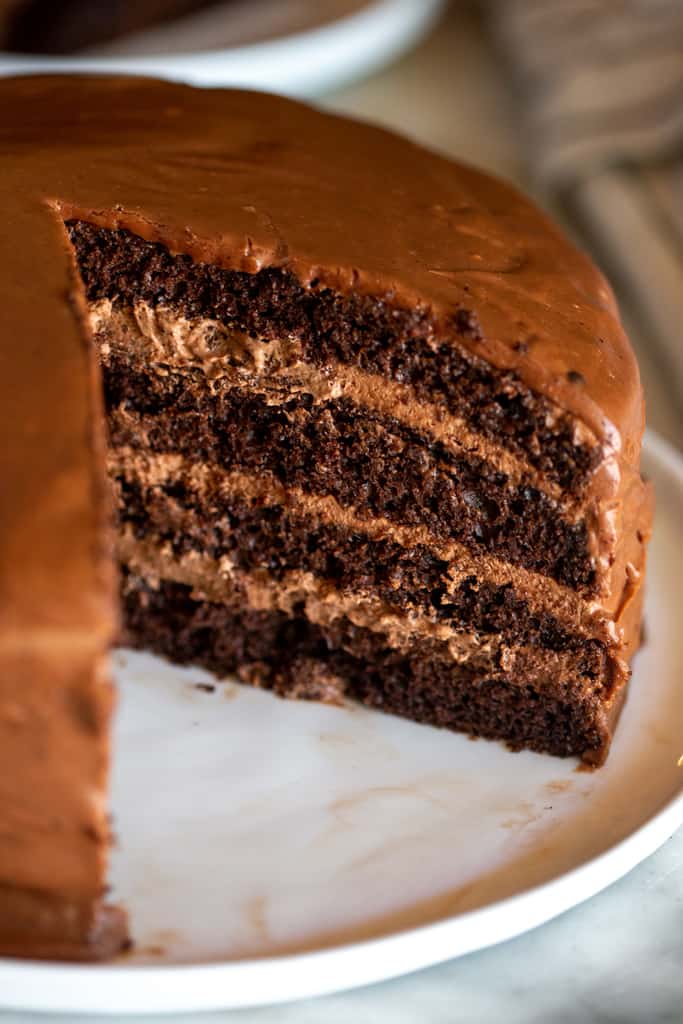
[580, 102]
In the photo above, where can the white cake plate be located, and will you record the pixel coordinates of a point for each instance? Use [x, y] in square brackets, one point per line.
[270, 850]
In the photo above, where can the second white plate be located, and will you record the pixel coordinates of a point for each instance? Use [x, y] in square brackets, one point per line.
[300, 64]
[270, 850]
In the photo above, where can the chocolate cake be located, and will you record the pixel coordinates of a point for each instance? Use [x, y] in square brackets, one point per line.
[372, 431]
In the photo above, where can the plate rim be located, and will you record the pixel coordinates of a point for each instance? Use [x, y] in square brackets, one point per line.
[156, 988]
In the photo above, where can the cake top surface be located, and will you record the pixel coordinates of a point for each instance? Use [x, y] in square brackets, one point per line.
[243, 180]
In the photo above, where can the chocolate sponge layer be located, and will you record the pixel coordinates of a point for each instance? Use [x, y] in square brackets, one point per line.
[294, 657]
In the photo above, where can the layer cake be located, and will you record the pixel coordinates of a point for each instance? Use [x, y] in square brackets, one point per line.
[372, 431]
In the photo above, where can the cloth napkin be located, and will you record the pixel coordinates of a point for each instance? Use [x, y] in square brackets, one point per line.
[600, 86]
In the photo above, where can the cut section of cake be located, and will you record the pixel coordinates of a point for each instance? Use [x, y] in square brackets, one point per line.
[372, 430]
[331, 496]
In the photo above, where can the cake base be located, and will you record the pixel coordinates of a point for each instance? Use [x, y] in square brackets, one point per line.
[295, 658]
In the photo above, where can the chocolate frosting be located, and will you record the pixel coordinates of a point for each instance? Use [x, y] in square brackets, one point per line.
[239, 180]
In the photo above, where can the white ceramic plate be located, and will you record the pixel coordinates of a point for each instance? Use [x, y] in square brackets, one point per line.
[271, 850]
[302, 64]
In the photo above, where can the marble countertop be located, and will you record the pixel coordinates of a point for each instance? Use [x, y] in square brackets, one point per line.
[617, 959]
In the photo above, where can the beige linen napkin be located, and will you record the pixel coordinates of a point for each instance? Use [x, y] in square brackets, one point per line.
[600, 83]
